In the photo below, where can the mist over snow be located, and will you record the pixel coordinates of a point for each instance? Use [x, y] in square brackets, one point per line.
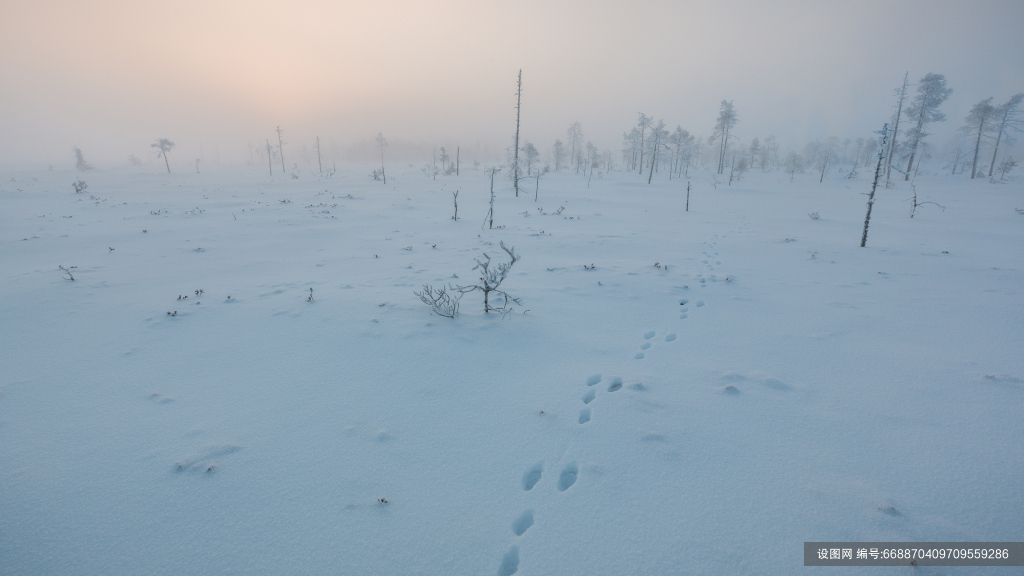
[110, 77]
[314, 288]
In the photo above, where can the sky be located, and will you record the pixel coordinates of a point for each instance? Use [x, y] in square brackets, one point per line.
[110, 77]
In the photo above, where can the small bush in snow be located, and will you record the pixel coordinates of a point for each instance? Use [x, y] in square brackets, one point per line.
[79, 186]
[440, 301]
[492, 279]
[814, 215]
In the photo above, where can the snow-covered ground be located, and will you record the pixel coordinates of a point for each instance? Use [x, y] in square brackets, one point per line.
[769, 382]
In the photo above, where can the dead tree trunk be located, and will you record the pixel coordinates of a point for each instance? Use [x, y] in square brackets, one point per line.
[874, 185]
[280, 147]
[515, 162]
[319, 159]
[270, 158]
[977, 147]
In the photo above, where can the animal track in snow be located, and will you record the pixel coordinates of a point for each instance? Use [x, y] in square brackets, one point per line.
[202, 460]
[584, 415]
[510, 562]
[649, 335]
[523, 523]
[532, 476]
[160, 398]
[589, 396]
[615, 385]
[593, 379]
[568, 477]
[670, 337]
[639, 356]
[645, 345]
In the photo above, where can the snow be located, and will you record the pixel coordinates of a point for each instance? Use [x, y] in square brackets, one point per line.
[768, 383]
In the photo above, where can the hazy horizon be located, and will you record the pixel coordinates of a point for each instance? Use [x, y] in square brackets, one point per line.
[111, 77]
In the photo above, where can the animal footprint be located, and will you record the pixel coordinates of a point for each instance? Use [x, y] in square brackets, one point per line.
[699, 303]
[532, 476]
[160, 398]
[615, 385]
[568, 477]
[645, 345]
[670, 337]
[589, 396]
[593, 379]
[510, 562]
[584, 415]
[639, 356]
[649, 335]
[523, 523]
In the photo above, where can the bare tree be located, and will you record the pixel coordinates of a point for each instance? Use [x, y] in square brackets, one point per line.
[490, 212]
[280, 147]
[270, 161]
[381, 143]
[1008, 117]
[455, 198]
[491, 280]
[874, 185]
[924, 108]
[978, 122]
[515, 163]
[319, 157]
[165, 146]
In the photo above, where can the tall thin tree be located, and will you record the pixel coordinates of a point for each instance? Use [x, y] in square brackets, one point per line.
[726, 120]
[931, 93]
[162, 144]
[381, 143]
[515, 161]
[874, 185]
[1008, 117]
[643, 123]
[319, 158]
[280, 147]
[901, 98]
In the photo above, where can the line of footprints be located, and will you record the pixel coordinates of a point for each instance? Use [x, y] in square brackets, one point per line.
[510, 561]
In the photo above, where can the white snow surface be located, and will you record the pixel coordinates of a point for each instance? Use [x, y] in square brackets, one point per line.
[768, 383]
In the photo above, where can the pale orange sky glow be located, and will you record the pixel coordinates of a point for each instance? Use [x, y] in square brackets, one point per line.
[112, 76]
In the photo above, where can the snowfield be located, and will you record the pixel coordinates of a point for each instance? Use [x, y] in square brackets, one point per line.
[767, 383]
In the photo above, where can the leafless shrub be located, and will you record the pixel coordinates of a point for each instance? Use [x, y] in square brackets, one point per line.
[440, 301]
[814, 215]
[492, 279]
[79, 186]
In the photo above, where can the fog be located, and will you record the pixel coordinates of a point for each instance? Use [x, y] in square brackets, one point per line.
[111, 77]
